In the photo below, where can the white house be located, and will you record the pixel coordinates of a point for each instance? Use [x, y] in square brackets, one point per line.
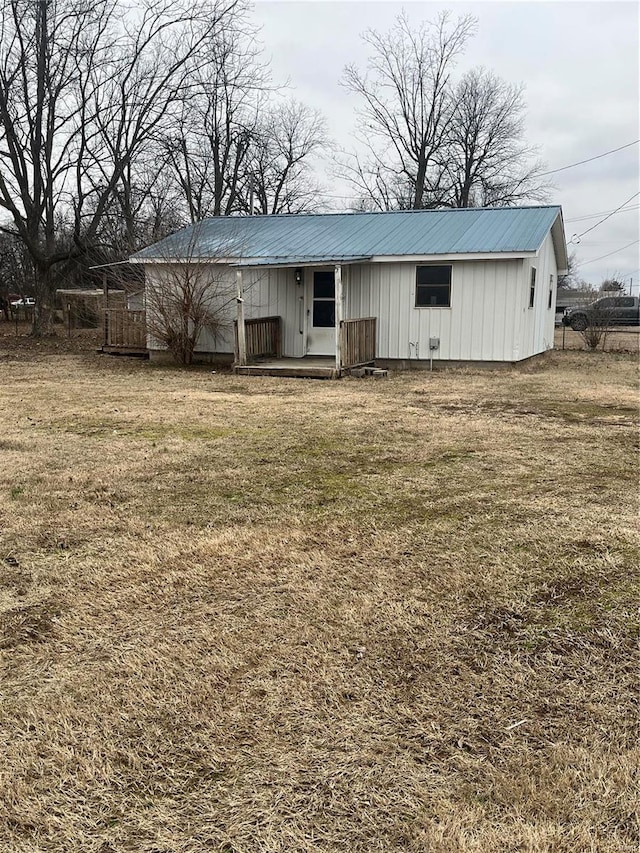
[455, 286]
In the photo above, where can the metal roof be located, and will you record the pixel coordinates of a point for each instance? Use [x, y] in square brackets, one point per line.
[301, 261]
[289, 239]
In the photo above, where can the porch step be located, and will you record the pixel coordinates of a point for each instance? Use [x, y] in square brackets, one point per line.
[374, 372]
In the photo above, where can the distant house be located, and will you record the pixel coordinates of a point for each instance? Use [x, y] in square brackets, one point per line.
[455, 286]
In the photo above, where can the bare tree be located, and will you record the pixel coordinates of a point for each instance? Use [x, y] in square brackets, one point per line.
[84, 87]
[187, 295]
[486, 161]
[406, 110]
[209, 145]
[279, 177]
[144, 209]
[427, 141]
[596, 327]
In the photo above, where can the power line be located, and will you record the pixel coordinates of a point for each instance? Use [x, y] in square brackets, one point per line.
[577, 236]
[590, 159]
[591, 260]
[601, 213]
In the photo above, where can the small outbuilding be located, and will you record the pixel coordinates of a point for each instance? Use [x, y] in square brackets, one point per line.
[398, 288]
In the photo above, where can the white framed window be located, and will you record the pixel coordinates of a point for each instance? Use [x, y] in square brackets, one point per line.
[433, 286]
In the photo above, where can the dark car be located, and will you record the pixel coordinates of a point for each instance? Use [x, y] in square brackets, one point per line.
[609, 311]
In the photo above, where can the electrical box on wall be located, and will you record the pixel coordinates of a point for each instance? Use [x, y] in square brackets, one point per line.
[434, 343]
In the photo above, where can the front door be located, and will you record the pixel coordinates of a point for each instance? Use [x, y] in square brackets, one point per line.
[321, 314]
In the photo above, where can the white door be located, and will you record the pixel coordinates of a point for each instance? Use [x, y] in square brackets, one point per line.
[321, 313]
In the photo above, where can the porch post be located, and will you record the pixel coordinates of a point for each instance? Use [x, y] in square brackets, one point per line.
[242, 340]
[338, 296]
[105, 315]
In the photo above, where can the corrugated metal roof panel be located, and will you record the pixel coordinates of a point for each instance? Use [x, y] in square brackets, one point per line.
[306, 260]
[349, 235]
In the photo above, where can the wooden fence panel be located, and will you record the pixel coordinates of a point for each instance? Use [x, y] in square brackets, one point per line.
[125, 329]
[263, 336]
[358, 341]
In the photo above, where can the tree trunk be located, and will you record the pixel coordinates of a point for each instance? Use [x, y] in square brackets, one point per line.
[43, 314]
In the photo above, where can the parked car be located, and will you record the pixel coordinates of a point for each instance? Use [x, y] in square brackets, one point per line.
[27, 302]
[610, 311]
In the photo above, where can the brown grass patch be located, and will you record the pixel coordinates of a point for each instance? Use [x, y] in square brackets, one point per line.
[284, 615]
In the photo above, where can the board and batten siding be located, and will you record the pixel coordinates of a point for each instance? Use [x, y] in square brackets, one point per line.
[274, 293]
[538, 323]
[482, 323]
[267, 293]
[489, 318]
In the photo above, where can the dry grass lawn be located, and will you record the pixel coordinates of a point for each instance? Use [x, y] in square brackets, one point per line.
[247, 614]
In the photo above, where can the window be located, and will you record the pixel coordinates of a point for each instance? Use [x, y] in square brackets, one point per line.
[433, 287]
[324, 299]
[532, 288]
[550, 291]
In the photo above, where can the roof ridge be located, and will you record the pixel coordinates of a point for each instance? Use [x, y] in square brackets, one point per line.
[377, 212]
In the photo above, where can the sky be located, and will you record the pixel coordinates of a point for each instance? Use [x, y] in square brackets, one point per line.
[578, 61]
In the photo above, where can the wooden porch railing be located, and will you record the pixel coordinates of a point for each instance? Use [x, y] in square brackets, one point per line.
[263, 337]
[125, 329]
[358, 342]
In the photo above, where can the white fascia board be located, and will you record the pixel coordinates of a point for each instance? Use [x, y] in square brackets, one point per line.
[559, 244]
[469, 256]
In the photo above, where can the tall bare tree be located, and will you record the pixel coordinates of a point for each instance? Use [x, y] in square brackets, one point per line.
[485, 158]
[405, 110]
[209, 145]
[279, 177]
[84, 86]
[427, 141]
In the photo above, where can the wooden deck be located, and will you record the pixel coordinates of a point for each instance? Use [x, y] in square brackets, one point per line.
[138, 352]
[311, 367]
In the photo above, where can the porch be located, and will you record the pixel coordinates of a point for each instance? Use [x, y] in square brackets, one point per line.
[329, 344]
[263, 350]
[125, 332]
[124, 320]
[309, 367]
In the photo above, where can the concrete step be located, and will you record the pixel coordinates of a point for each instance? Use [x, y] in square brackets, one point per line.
[373, 372]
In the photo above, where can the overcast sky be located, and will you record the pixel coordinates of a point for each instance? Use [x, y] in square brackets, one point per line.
[579, 64]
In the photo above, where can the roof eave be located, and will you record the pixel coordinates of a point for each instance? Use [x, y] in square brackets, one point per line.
[560, 244]
[453, 256]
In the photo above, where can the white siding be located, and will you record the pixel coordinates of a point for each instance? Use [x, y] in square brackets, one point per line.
[480, 325]
[538, 322]
[274, 293]
[489, 318]
[267, 293]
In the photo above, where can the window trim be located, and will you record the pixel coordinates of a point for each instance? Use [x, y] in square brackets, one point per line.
[532, 288]
[448, 284]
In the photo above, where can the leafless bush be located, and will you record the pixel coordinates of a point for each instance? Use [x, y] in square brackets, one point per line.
[186, 295]
[183, 301]
[596, 329]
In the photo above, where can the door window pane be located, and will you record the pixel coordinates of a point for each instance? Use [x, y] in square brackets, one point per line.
[324, 286]
[324, 313]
